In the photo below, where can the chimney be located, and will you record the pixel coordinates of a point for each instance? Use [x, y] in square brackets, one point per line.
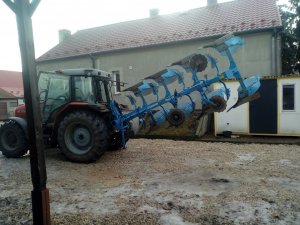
[154, 12]
[63, 34]
[212, 2]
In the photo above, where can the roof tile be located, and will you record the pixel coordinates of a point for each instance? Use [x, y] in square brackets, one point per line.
[219, 19]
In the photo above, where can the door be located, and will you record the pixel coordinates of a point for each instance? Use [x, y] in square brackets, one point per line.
[54, 94]
[263, 111]
[3, 110]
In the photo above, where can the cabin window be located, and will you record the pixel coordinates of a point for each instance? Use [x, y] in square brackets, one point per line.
[288, 97]
[102, 91]
[117, 79]
[84, 89]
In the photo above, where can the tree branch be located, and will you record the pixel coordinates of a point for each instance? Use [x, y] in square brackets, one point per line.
[11, 5]
[33, 5]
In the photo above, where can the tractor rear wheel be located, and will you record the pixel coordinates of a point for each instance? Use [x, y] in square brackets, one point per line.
[83, 137]
[13, 141]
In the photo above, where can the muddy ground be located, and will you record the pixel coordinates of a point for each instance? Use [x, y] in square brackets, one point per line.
[163, 182]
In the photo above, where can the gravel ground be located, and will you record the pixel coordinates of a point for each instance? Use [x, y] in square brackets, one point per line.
[163, 182]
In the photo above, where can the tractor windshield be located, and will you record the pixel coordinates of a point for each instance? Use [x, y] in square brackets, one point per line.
[54, 93]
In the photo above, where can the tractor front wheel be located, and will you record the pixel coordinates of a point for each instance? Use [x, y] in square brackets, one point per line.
[83, 137]
[13, 141]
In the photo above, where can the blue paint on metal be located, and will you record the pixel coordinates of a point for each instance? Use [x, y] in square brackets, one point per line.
[252, 84]
[159, 117]
[226, 46]
[186, 107]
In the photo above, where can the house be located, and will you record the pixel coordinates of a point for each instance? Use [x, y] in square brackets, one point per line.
[135, 49]
[11, 92]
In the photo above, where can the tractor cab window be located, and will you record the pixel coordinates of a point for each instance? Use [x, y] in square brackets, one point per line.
[84, 89]
[54, 92]
[102, 90]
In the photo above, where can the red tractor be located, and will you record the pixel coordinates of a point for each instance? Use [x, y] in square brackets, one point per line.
[75, 115]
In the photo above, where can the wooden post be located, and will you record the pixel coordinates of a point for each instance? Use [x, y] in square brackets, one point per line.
[40, 194]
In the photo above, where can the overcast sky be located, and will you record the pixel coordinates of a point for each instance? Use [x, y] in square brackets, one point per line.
[53, 15]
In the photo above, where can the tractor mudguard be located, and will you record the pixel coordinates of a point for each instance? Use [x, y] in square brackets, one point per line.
[22, 123]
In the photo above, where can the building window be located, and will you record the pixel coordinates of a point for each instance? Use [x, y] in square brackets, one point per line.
[117, 79]
[288, 97]
[13, 104]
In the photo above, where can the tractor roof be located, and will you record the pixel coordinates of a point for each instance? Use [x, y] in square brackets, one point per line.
[84, 72]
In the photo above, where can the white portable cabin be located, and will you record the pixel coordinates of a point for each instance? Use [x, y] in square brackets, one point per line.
[275, 113]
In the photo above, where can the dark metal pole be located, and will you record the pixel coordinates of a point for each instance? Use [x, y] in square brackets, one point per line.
[40, 194]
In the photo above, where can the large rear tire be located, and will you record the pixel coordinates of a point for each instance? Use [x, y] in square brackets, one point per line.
[83, 137]
[13, 141]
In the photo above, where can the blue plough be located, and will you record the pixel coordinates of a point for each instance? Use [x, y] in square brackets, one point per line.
[214, 101]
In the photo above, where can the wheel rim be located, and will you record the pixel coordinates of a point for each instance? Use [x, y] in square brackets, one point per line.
[176, 117]
[78, 138]
[9, 140]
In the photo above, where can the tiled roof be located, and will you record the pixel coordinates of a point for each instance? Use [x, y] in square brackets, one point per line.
[17, 92]
[6, 95]
[219, 19]
[11, 82]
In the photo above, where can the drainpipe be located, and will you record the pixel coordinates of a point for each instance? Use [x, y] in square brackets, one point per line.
[279, 53]
[93, 58]
[273, 53]
[276, 53]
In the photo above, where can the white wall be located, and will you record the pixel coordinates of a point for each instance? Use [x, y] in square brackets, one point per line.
[236, 120]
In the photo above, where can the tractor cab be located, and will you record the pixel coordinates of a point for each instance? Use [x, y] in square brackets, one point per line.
[61, 88]
[75, 108]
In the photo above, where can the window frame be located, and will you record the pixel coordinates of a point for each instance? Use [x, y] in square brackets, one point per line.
[282, 97]
[115, 84]
[13, 104]
[99, 84]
